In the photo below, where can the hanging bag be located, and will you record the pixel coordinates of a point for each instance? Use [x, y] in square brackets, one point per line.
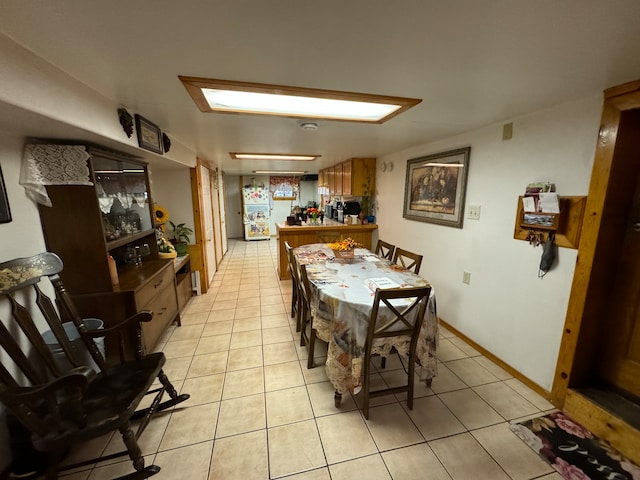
[548, 255]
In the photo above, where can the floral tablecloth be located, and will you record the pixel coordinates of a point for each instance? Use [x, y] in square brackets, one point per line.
[343, 292]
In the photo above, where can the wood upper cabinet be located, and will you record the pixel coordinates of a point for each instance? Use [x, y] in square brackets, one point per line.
[331, 180]
[359, 174]
[321, 178]
[354, 177]
[337, 172]
[346, 178]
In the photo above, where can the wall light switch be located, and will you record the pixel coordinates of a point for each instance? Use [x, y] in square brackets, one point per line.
[473, 212]
[507, 131]
[466, 277]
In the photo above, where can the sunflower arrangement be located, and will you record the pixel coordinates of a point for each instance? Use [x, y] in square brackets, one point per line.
[160, 216]
[345, 245]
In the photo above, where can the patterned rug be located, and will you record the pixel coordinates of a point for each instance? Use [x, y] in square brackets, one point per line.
[574, 451]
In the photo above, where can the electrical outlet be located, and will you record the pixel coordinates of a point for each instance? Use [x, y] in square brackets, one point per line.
[466, 277]
[473, 212]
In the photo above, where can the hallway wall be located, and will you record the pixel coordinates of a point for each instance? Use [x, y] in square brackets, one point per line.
[506, 308]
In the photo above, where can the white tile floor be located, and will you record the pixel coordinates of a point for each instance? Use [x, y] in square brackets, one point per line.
[257, 412]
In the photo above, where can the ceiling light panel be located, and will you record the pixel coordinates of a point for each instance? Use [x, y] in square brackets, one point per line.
[279, 172]
[225, 96]
[271, 156]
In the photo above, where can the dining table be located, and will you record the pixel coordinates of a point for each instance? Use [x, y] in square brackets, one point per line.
[342, 293]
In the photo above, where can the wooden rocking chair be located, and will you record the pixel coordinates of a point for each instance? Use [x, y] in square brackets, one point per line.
[62, 408]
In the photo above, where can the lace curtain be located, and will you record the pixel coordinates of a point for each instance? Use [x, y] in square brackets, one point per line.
[52, 165]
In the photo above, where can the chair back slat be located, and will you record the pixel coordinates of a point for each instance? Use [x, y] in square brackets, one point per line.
[391, 319]
[32, 358]
[409, 260]
[19, 358]
[385, 249]
[69, 312]
[24, 320]
[400, 321]
[55, 322]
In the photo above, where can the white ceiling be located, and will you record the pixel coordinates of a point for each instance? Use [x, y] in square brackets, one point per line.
[472, 62]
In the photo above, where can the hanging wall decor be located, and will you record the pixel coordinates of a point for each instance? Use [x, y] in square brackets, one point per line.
[435, 187]
[166, 142]
[126, 120]
[149, 135]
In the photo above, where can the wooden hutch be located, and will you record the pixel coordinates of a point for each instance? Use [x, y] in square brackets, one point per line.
[114, 217]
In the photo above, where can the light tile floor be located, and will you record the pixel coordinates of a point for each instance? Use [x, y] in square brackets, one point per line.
[256, 411]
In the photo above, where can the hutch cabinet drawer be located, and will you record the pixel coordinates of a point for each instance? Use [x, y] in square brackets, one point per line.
[164, 307]
[157, 283]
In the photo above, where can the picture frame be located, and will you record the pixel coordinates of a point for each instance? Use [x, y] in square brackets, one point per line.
[435, 187]
[149, 135]
[5, 211]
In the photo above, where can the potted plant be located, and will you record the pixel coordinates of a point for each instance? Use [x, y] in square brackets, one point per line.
[180, 237]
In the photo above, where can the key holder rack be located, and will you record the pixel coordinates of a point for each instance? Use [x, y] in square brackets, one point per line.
[567, 224]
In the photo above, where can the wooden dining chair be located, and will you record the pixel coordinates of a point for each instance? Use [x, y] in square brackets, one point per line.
[49, 388]
[319, 327]
[295, 282]
[409, 260]
[400, 320]
[385, 250]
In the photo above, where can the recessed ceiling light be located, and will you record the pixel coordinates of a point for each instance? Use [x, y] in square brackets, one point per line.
[279, 172]
[225, 96]
[271, 156]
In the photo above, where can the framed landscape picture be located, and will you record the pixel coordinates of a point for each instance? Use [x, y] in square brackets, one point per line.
[435, 187]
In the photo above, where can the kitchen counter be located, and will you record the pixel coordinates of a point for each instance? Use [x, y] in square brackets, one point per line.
[327, 232]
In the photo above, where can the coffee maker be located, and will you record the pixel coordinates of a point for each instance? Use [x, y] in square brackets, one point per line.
[339, 213]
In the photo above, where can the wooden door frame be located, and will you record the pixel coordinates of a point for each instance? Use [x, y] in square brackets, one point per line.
[610, 190]
[198, 251]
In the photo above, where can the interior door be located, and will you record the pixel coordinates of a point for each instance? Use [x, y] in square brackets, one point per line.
[223, 214]
[215, 209]
[621, 361]
[209, 235]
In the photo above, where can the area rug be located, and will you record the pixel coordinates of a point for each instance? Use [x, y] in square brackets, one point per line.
[574, 451]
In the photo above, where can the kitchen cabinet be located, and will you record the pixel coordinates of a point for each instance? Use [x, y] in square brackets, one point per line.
[359, 177]
[337, 172]
[322, 178]
[346, 178]
[331, 180]
[112, 217]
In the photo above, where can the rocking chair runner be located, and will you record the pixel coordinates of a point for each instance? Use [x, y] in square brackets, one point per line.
[61, 408]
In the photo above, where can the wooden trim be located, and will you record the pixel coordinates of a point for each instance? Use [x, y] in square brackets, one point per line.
[608, 427]
[198, 255]
[194, 86]
[612, 183]
[505, 366]
[590, 277]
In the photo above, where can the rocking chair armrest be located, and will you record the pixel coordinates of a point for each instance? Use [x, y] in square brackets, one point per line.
[142, 316]
[79, 377]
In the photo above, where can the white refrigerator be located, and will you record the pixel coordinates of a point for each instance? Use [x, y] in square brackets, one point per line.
[256, 213]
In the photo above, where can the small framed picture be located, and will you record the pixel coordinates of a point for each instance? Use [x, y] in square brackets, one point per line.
[149, 135]
[435, 187]
[5, 212]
